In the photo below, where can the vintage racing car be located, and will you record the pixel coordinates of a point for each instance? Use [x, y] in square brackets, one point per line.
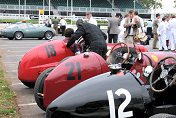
[47, 55]
[27, 30]
[58, 81]
[122, 94]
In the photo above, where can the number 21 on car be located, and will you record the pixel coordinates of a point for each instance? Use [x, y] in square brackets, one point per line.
[121, 113]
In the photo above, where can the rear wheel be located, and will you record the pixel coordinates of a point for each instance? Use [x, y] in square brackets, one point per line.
[39, 85]
[18, 35]
[48, 35]
[29, 84]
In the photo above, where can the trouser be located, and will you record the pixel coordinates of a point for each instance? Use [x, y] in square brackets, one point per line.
[155, 40]
[63, 30]
[113, 37]
[129, 40]
[101, 51]
[56, 29]
[162, 42]
[172, 40]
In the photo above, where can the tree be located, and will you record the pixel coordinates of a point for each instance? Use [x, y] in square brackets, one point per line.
[151, 3]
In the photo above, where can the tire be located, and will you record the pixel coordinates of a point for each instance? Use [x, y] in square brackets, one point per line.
[18, 35]
[10, 38]
[39, 85]
[162, 115]
[29, 84]
[48, 35]
[40, 38]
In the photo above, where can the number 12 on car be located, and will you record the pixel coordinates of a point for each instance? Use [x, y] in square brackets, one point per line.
[121, 113]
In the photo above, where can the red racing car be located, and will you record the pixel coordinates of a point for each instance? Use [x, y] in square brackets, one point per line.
[45, 56]
[74, 70]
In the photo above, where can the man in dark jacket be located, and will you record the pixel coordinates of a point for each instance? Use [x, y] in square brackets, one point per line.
[93, 37]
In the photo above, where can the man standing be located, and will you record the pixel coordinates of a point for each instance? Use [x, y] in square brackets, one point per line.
[113, 26]
[132, 24]
[92, 36]
[155, 27]
[55, 25]
[161, 31]
[141, 29]
[63, 24]
[90, 18]
[172, 25]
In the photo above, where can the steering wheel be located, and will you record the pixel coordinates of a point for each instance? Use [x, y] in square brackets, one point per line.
[119, 54]
[163, 75]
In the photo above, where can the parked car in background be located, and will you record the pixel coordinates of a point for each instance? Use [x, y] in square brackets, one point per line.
[27, 30]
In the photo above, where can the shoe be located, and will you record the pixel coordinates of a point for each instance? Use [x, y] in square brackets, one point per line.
[160, 50]
[155, 48]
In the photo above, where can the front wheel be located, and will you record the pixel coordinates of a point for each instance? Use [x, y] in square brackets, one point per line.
[162, 115]
[48, 35]
[18, 35]
[39, 86]
[40, 38]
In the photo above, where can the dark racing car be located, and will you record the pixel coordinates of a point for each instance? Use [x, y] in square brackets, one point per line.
[146, 90]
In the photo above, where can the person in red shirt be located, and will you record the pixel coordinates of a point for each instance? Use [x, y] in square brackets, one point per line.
[68, 34]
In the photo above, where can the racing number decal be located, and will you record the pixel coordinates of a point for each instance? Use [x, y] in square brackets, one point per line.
[70, 77]
[50, 50]
[121, 114]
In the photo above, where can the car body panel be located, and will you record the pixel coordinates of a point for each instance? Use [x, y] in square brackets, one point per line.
[71, 72]
[40, 58]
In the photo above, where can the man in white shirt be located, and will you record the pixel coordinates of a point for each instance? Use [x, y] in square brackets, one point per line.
[90, 18]
[172, 25]
[168, 32]
[63, 24]
[161, 31]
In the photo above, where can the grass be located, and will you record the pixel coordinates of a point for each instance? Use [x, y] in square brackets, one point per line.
[8, 107]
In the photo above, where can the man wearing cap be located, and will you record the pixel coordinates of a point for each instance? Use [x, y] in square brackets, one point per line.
[90, 18]
[92, 36]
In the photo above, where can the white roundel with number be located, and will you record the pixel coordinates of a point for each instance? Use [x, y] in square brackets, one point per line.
[121, 113]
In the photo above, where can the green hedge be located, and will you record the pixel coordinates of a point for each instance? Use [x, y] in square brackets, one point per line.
[36, 21]
[16, 20]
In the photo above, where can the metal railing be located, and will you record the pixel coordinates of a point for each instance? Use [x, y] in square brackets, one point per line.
[85, 9]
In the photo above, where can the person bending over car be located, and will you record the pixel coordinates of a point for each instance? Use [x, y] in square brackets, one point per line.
[68, 34]
[93, 37]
